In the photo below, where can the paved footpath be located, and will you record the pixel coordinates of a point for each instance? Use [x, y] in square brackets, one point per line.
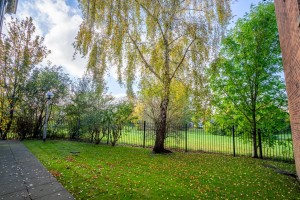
[23, 177]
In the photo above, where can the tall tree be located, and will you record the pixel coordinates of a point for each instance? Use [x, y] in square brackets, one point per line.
[247, 78]
[166, 40]
[33, 104]
[20, 51]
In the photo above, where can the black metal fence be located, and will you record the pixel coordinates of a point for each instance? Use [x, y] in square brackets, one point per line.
[230, 140]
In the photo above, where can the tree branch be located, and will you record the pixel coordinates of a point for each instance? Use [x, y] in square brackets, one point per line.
[182, 59]
[175, 39]
[154, 17]
[237, 106]
[143, 58]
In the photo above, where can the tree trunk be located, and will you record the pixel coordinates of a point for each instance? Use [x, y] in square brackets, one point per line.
[11, 115]
[38, 126]
[254, 155]
[92, 136]
[254, 124]
[162, 128]
[4, 136]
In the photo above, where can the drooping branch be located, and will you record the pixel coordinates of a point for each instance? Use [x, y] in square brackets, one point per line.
[182, 59]
[155, 19]
[177, 38]
[151, 68]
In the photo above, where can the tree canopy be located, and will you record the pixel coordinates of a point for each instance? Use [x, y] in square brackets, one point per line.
[20, 52]
[247, 76]
[165, 40]
[33, 103]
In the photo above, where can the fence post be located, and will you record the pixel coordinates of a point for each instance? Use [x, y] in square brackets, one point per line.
[260, 144]
[233, 140]
[144, 138]
[186, 143]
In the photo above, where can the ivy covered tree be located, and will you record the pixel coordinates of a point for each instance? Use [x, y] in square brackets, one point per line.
[246, 78]
[20, 52]
[166, 40]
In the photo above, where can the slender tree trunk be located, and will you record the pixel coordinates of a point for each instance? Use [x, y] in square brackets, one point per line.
[254, 102]
[1, 117]
[11, 107]
[11, 115]
[1, 129]
[38, 126]
[254, 140]
[162, 128]
[92, 136]
[162, 123]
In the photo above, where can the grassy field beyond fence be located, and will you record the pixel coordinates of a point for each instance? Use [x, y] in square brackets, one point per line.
[275, 145]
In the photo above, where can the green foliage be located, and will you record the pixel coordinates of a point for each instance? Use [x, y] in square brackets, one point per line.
[150, 98]
[100, 172]
[163, 40]
[33, 103]
[170, 34]
[121, 115]
[200, 100]
[86, 109]
[246, 78]
[20, 52]
[92, 111]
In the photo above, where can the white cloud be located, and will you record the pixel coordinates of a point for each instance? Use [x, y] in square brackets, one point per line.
[120, 95]
[59, 24]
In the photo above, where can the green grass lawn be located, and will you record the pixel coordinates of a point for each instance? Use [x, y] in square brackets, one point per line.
[105, 172]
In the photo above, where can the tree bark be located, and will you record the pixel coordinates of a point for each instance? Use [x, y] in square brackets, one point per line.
[38, 126]
[11, 115]
[254, 155]
[162, 128]
[254, 89]
[4, 134]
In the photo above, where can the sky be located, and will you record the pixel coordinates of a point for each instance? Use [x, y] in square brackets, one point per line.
[58, 22]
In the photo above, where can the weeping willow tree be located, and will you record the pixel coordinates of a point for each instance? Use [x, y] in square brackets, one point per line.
[164, 39]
